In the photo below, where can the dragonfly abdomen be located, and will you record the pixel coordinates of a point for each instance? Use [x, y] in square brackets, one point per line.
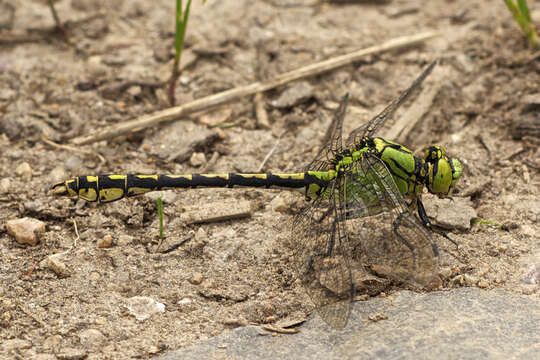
[107, 188]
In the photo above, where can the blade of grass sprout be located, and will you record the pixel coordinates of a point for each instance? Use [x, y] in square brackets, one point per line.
[160, 212]
[489, 222]
[181, 17]
[521, 14]
[524, 9]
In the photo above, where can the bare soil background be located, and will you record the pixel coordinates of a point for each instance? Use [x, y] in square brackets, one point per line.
[484, 109]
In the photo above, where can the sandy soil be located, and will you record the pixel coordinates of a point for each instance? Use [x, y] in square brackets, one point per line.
[481, 103]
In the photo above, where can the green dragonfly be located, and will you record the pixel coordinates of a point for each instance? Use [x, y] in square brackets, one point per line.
[362, 195]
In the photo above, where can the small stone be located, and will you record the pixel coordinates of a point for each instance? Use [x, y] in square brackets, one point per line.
[105, 242]
[71, 354]
[152, 349]
[197, 159]
[56, 265]
[143, 307]
[200, 235]
[24, 171]
[167, 196]
[26, 230]
[124, 240]
[57, 174]
[185, 301]
[278, 204]
[196, 278]
[91, 338]
[135, 91]
[445, 272]
[482, 284]
[469, 280]
[5, 183]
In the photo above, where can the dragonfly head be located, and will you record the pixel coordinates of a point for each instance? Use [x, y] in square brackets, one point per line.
[442, 171]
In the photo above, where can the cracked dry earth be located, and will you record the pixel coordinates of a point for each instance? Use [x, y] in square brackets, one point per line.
[90, 295]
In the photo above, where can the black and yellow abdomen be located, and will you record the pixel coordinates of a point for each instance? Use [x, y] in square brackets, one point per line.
[107, 188]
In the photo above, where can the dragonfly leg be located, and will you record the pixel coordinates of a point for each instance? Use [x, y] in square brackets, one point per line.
[425, 221]
[396, 224]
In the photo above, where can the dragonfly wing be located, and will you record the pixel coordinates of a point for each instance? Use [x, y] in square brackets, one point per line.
[374, 124]
[322, 254]
[332, 142]
[398, 246]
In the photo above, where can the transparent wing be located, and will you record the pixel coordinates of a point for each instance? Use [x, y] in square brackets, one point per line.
[321, 253]
[374, 124]
[384, 235]
[332, 142]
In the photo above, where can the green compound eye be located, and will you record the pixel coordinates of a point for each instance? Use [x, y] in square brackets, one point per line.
[443, 172]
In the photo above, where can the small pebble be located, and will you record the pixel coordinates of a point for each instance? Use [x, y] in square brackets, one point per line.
[57, 174]
[56, 265]
[278, 204]
[105, 242]
[197, 159]
[134, 91]
[143, 307]
[5, 183]
[482, 284]
[24, 171]
[185, 301]
[469, 280]
[26, 230]
[91, 338]
[445, 272]
[200, 235]
[196, 278]
[124, 240]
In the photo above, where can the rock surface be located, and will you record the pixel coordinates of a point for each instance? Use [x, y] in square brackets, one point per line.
[466, 323]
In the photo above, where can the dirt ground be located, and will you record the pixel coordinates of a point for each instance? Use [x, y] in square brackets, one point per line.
[481, 103]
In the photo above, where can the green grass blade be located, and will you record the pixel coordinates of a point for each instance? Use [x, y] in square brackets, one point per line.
[524, 9]
[160, 212]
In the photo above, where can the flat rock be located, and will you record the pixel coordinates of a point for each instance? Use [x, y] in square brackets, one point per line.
[465, 323]
[454, 213]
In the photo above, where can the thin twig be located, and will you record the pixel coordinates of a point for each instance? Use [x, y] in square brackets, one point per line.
[238, 92]
[261, 115]
[279, 330]
[71, 148]
[406, 122]
[210, 163]
[76, 233]
[270, 153]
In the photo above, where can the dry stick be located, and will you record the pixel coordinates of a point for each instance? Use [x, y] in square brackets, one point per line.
[238, 92]
[402, 127]
[270, 153]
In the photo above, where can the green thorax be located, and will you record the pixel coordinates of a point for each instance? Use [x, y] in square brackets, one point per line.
[408, 171]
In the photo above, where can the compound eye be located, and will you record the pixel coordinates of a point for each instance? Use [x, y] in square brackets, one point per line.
[442, 177]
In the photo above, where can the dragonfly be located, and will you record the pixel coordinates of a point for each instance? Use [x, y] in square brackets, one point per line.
[363, 207]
